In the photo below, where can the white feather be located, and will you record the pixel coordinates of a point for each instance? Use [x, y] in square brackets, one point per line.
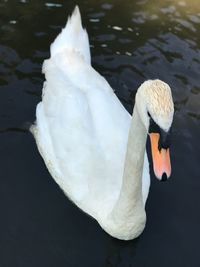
[73, 37]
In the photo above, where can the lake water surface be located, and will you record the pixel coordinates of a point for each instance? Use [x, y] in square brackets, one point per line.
[131, 41]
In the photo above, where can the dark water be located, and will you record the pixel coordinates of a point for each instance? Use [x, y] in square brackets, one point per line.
[131, 41]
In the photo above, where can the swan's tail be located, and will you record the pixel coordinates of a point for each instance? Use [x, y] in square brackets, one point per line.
[73, 37]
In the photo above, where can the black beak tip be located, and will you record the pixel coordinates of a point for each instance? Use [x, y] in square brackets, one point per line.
[164, 177]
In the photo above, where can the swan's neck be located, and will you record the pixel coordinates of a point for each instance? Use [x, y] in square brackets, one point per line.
[129, 210]
[131, 191]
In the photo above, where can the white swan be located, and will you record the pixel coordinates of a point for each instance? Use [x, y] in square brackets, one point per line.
[92, 147]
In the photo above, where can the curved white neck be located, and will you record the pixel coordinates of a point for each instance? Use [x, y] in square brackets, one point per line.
[129, 209]
[131, 191]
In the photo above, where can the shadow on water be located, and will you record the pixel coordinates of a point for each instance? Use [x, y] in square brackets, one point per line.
[131, 41]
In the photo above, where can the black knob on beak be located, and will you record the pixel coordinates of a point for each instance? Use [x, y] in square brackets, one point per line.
[164, 141]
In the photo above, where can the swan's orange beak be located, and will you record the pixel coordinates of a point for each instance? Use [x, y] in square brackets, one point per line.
[161, 158]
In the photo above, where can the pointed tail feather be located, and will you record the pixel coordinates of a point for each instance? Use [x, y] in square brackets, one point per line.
[73, 37]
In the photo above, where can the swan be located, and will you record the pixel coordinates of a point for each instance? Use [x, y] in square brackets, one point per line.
[93, 148]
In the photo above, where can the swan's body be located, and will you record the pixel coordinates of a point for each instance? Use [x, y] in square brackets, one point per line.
[83, 131]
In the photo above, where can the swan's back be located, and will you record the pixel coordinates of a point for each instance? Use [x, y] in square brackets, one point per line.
[81, 128]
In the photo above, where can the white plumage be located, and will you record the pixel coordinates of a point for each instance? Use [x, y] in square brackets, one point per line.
[82, 130]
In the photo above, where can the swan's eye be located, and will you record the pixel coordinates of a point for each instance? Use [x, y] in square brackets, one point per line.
[153, 127]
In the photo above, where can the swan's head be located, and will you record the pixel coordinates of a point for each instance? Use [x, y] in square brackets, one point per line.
[156, 109]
